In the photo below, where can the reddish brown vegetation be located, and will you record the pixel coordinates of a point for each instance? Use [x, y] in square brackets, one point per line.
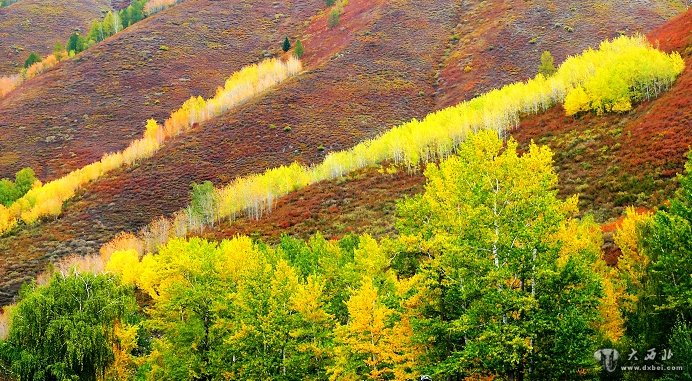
[375, 85]
[372, 74]
[674, 35]
[99, 101]
[322, 42]
[501, 41]
[36, 26]
[362, 202]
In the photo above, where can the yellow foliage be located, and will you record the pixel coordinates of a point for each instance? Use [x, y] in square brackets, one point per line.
[583, 237]
[633, 261]
[576, 101]
[307, 301]
[47, 199]
[9, 83]
[125, 363]
[6, 220]
[372, 338]
[121, 242]
[126, 264]
[621, 71]
[239, 257]
[42, 66]
[149, 276]
[613, 326]
[370, 259]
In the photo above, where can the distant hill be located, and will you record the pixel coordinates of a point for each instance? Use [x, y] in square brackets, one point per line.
[36, 26]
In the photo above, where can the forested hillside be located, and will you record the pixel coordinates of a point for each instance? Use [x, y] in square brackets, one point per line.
[345, 190]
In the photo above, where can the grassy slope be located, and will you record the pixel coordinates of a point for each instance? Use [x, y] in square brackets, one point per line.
[36, 26]
[362, 78]
[101, 100]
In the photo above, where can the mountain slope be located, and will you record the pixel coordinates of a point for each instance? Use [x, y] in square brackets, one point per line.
[645, 147]
[502, 41]
[351, 96]
[362, 77]
[99, 101]
[36, 26]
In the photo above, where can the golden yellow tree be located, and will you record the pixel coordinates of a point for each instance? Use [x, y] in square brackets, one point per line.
[374, 343]
[633, 261]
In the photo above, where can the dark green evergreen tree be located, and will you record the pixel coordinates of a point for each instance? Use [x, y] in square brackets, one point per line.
[75, 43]
[32, 59]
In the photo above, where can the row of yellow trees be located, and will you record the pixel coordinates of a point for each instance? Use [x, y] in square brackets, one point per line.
[47, 199]
[621, 71]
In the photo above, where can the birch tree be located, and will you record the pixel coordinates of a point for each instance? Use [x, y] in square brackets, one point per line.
[487, 217]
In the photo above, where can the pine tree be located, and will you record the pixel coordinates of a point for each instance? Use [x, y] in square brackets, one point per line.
[286, 45]
[334, 18]
[74, 44]
[32, 59]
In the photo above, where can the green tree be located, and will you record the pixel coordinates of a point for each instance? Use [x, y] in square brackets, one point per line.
[667, 296]
[96, 32]
[10, 191]
[32, 59]
[58, 51]
[24, 179]
[501, 292]
[286, 45]
[680, 344]
[75, 43]
[203, 203]
[64, 331]
[125, 15]
[187, 306]
[334, 18]
[236, 310]
[547, 67]
[299, 50]
[136, 11]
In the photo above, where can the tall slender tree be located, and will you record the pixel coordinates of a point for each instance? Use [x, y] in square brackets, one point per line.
[502, 296]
